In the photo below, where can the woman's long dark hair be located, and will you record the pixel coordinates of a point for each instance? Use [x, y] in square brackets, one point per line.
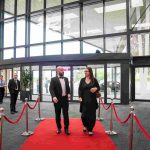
[91, 73]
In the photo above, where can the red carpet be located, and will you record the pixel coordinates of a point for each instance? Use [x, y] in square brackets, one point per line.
[45, 138]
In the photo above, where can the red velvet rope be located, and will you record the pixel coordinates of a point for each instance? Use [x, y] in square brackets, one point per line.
[106, 108]
[34, 105]
[20, 116]
[117, 117]
[141, 127]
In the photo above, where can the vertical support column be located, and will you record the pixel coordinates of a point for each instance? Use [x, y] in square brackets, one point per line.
[27, 132]
[125, 85]
[1, 28]
[110, 131]
[39, 111]
[131, 129]
[99, 111]
[1, 125]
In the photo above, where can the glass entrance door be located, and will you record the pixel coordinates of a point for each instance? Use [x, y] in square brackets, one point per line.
[35, 82]
[113, 82]
[47, 73]
[78, 73]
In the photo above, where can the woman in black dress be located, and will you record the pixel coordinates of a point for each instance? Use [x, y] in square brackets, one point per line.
[87, 95]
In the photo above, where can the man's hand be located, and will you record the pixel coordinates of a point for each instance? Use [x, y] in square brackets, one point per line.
[69, 97]
[80, 99]
[55, 100]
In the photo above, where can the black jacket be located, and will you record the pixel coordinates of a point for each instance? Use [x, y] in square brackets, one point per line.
[55, 87]
[12, 86]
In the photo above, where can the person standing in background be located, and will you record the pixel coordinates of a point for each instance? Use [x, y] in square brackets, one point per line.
[14, 88]
[2, 89]
[46, 85]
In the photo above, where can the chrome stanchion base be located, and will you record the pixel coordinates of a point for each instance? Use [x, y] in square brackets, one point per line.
[111, 132]
[39, 119]
[27, 133]
[100, 119]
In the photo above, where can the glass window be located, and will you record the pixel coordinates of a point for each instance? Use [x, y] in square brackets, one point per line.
[140, 44]
[20, 52]
[36, 29]
[52, 3]
[9, 34]
[36, 50]
[53, 26]
[21, 4]
[71, 47]
[116, 44]
[93, 20]
[71, 23]
[115, 16]
[37, 5]
[9, 7]
[8, 54]
[53, 49]
[93, 46]
[69, 1]
[139, 14]
[142, 83]
[20, 31]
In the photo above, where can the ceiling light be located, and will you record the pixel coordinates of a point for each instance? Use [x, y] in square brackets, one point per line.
[141, 25]
[94, 31]
[111, 8]
[70, 16]
[118, 28]
[136, 3]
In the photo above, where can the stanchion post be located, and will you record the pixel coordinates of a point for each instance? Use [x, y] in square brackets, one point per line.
[110, 131]
[39, 111]
[131, 128]
[1, 126]
[27, 132]
[99, 111]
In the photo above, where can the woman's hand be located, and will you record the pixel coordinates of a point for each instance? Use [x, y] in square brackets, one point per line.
[69, 97]
[80, 99]
[93, 90]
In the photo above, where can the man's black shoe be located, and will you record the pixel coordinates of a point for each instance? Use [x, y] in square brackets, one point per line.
[16, 111]
[67, 132]
[84, 129]
[90, 133]
[58, 131]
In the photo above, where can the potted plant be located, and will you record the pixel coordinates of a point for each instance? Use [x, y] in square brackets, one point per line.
[26, 80]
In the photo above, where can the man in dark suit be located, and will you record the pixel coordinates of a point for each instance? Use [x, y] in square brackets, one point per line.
[14, 88]
[60, 92]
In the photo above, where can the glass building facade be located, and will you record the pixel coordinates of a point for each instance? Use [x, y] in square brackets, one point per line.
[42, 34]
